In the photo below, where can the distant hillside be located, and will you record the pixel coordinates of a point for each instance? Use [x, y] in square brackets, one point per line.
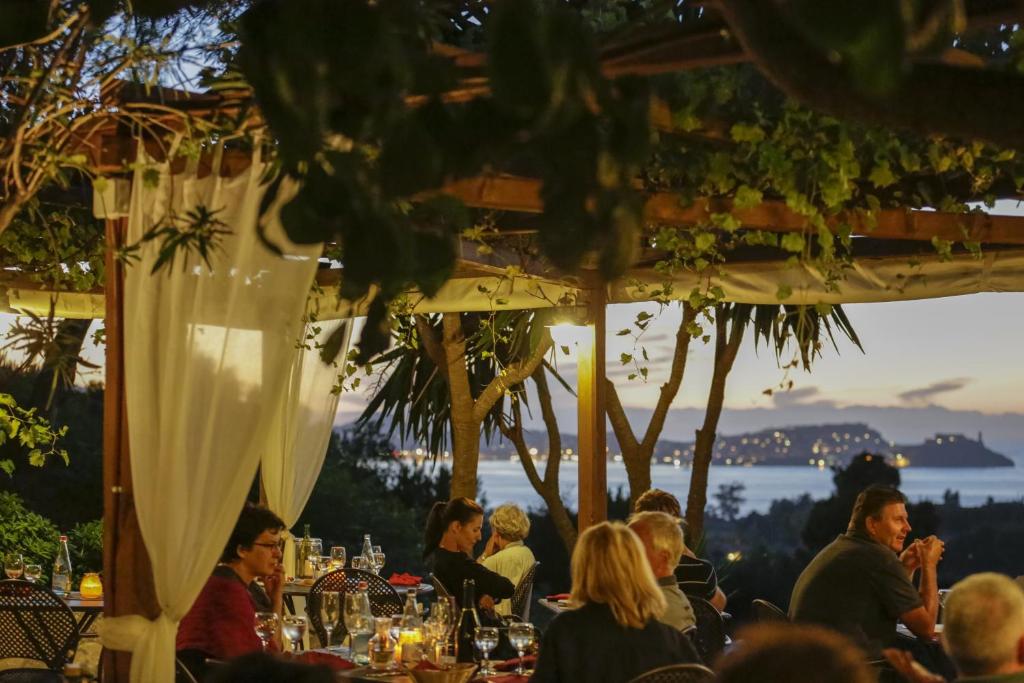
[819, 445]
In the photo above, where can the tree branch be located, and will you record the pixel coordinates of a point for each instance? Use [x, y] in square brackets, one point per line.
[547, 412]
[670, 389]
[934, 98]
[617, 416]
[514, 373]
[431, 343]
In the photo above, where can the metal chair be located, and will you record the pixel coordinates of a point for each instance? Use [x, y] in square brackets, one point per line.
[36, 624]
[384, 599]
[709, 637]
[677, 673]
[765, 611]
[439, 588]
[31, 676]
[523, 595]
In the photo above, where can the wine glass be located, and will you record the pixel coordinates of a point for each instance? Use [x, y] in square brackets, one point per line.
[337, 557]
[359, 562]
[33, 572]
[294, 627]
[330, 613]
[522, 636]
[378, 562]
[486, 639]
[266, 627]
[358, 617]
[14, 565]
[396, 626]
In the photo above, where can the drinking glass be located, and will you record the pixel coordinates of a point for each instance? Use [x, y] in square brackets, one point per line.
[33, 572]
[359, 562]
[14, 565]
[358, 617]
[396, 626]
[486, 639]
[337, 557]
[266, 627]
[447, 602]
[294, 628]
[316, 547]
[325, 564]
[330, 613]
[521, 635]
[378, 562]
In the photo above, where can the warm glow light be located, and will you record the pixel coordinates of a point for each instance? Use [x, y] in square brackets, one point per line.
[91, 587]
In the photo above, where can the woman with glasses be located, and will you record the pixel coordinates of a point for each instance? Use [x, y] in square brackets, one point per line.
[222, 622]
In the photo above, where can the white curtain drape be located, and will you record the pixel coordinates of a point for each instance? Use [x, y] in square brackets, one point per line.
[301, 429]
[208, 348]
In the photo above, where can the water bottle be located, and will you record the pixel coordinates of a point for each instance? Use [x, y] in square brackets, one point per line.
[361, 634]
[303, 555]
[368, 552]
[411, 634]
[61, 581]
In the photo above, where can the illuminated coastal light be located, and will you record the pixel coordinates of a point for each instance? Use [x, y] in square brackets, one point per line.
[821, 463]
[419, 451]
[811, 461]
[533, 451]
[939, 441]
[734, 556]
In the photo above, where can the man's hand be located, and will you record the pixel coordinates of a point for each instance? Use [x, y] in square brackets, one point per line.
[931, 550]
[911, 557]
[905, 665]
[274, 584]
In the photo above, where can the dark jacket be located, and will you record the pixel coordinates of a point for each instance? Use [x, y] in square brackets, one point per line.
[587, 644]
[453, 568]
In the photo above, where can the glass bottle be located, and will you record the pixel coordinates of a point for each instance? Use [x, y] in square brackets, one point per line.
[61, 577]
[382, 645]
[367, 552]
[410, 636]
[469, 620]
[365, 624]
[303, 555]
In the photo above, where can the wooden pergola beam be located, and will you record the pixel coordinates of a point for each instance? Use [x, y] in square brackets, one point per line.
[514, 193]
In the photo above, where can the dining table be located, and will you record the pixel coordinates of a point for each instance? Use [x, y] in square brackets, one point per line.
[293, 589]
[364, 674]
[85, 610]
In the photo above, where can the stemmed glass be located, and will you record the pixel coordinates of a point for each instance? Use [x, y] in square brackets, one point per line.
[266, 627]
[358, 617]
[14, 565]
[439, 625]
[486, 639]
[330, 613]
[447, 603]
[522, 636]
[337, 557]
[33, 572]
[294, 628]
[378, 561]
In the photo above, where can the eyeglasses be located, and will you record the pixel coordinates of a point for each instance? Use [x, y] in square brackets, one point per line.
[271, 546]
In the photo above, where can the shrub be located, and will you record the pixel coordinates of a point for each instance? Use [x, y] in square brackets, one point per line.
[24, 531]
[86, 545]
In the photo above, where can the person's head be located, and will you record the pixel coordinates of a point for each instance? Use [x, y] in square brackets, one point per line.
[259, 667]
[457, 522]
[254, 546]
[880, 512]
[656, 500]
[609, 567]
[662, 539]
[793, 653]
[510, 523]
[983, 625]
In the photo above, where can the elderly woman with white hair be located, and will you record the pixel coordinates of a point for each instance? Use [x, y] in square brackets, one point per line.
[505, 553]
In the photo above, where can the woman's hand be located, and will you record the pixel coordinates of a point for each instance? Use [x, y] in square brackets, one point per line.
[492, 545]
[486, 602]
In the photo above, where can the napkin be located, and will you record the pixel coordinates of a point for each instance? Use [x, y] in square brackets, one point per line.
[558, 596]
[509, 664]
[334, 662]
[509, 678]
[404, 579]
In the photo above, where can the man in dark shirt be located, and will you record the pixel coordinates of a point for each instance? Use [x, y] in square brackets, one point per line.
[859, 586]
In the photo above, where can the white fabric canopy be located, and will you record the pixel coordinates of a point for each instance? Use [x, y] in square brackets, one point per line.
[301, 428]
[207, 353]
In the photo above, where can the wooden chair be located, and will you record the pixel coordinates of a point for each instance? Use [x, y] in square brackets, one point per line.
[677, 673]
[523, 595]
[765, 611]
[36, 624]
[709, 637]
[384, 599]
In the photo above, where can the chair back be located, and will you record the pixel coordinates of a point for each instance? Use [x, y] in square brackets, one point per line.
[182, 674]
[36, 624]
[523, 595]
[31, 676]
[709, 637]
[440, 588]
[766, 611]
[677, 673]
[384, 599]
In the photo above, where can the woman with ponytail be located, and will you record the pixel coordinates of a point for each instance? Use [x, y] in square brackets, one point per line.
[453, 529]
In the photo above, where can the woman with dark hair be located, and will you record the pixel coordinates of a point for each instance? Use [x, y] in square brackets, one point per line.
[453, 528]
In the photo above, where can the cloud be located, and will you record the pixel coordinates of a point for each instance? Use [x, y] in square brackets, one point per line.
[785, 399]
[924, 393]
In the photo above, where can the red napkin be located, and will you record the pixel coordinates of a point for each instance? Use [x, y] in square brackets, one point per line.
[558, 596]
[334, 662]
[510, 678]
[404, 579]
[509, 664]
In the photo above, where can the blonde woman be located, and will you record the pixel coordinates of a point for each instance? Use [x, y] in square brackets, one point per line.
[505, 553]
[612, 634]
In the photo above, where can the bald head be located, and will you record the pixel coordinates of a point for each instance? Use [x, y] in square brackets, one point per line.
[983, 625]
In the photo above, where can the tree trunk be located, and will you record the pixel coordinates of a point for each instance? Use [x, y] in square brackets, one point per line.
[68, 341]
[465, 430]
[727, 344]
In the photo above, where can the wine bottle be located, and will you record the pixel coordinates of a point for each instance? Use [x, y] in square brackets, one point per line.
[469, 620]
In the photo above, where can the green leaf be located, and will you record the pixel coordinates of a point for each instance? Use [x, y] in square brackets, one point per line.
[746, 132]
[783, 292]
[747, 197]
[625, 358]
[882, 175]
[793, 242]
[623, 332]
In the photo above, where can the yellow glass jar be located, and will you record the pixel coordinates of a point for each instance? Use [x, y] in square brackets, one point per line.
[91, 587]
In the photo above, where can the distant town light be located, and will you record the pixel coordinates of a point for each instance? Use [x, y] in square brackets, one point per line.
[533, 451]
[734, 556]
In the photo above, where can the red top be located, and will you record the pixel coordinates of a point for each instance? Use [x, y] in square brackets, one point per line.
[222, 621]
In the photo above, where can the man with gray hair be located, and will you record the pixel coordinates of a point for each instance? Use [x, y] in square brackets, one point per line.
[983, 633]
[663, 543]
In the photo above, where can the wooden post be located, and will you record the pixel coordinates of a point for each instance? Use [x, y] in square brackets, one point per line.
[127, 574]
[592, 429]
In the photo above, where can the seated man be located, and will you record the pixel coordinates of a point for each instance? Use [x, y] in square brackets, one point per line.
[983, 633]
[859, 586]
[222, 622]
[695, 576]
[663, 544]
